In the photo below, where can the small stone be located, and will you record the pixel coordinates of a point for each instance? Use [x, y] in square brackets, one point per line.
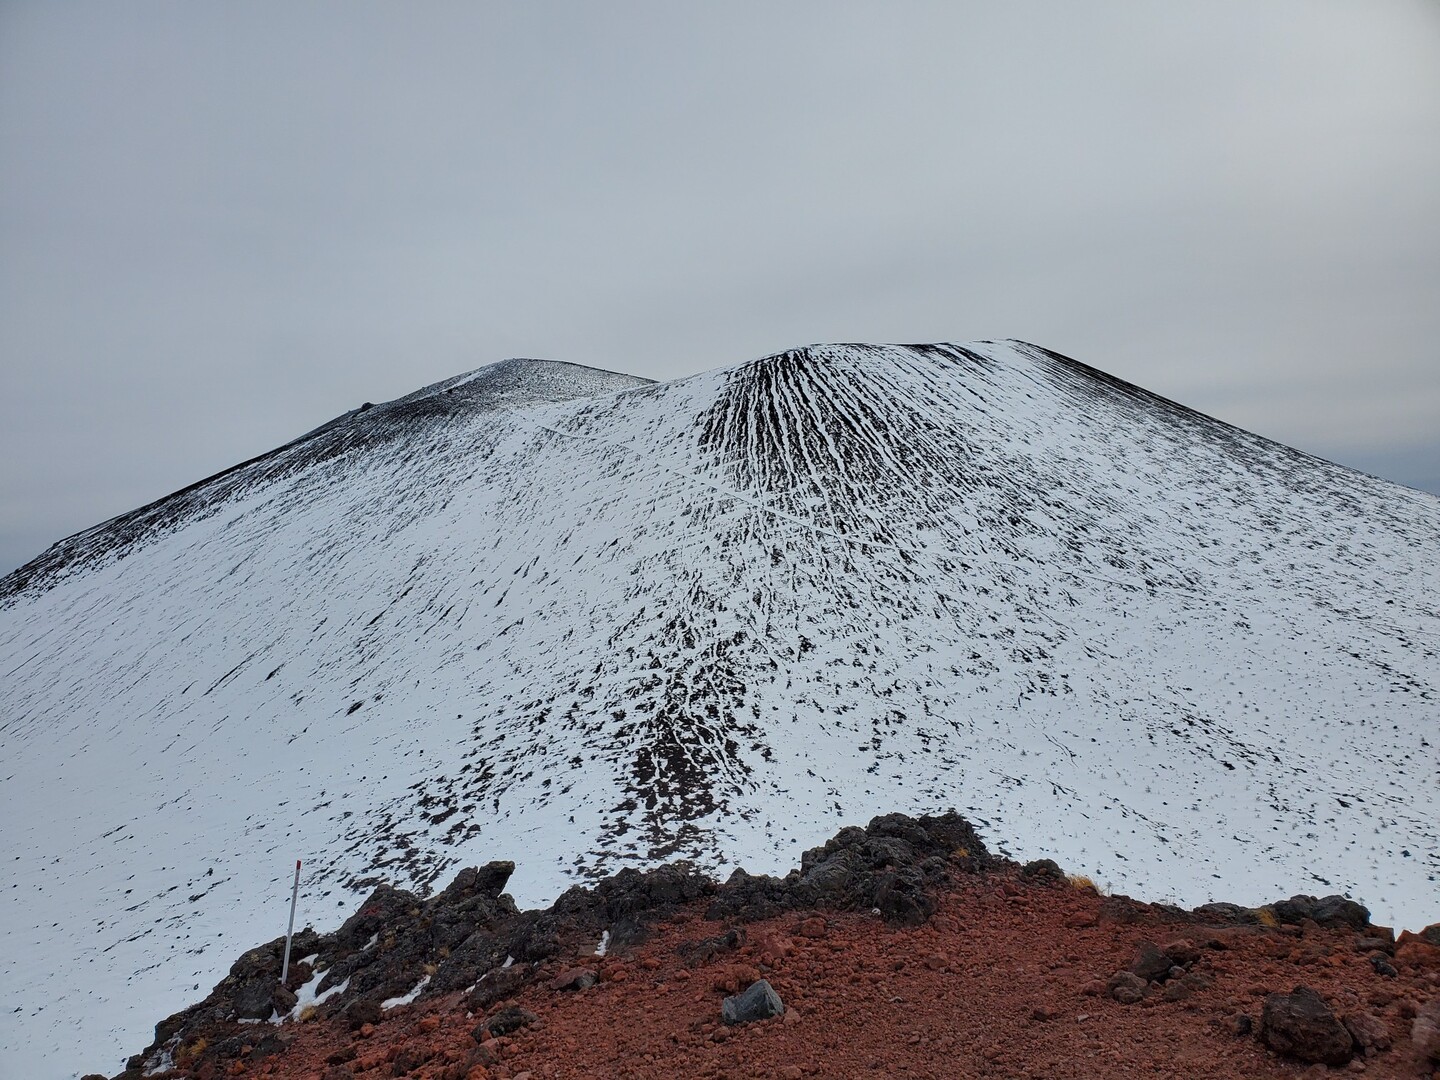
[935, 961]
[759, 1002]
[1181, 952]
[1198, 980]
[812, 928]
[1241, 1024]
[509, 1019]
[480, 1055]
[1151, 964]
[429, 1023]
[1127, 988]
[1370, 1032]
[1177, 990]
[579, 978]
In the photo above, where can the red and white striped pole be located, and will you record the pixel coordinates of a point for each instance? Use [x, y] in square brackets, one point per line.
[290, 930]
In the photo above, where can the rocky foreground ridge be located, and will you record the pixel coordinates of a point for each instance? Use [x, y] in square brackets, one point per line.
[902, 949]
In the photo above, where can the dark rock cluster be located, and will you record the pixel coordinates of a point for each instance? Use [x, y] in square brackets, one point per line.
[885, 867]
[1333, 912]
[472, 937]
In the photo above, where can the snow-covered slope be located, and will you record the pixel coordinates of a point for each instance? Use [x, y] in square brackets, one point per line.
[573, 619]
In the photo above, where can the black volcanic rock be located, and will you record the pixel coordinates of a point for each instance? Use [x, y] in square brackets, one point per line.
[1301, 1025]
[1333, 911]
[397, 939]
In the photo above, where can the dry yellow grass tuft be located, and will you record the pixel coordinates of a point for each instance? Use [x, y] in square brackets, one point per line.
[1083, 883]
[189, 1052]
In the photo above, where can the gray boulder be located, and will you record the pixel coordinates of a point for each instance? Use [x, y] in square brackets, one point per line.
[759, 1002]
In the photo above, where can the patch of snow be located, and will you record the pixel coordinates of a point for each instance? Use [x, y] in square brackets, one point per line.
[306, 997]
[162, 1060]
[406, 999]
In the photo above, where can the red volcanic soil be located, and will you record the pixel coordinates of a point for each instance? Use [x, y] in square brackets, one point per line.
[1009, 978]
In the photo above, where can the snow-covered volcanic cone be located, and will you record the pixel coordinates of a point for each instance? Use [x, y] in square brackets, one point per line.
[566, 617]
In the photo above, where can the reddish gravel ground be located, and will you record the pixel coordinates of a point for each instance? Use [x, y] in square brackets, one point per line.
[1007, 980]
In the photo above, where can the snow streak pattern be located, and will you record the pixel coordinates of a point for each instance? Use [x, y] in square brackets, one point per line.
[566, 617]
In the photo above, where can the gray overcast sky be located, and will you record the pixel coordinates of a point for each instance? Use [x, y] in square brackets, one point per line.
[221, 224]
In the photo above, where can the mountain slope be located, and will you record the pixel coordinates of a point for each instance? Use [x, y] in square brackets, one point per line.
[563, 616]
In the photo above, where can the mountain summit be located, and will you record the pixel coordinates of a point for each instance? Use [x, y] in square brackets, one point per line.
[568, 617]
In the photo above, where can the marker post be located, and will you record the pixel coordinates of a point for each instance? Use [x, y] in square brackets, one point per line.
[290, 930]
